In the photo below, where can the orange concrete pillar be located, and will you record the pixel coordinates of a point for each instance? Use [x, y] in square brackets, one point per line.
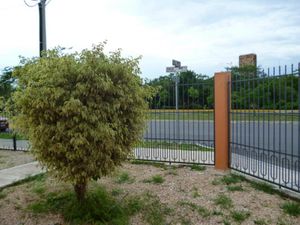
[222, 108]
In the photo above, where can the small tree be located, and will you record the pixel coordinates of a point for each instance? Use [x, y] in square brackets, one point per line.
[7, 83]
[82, 112]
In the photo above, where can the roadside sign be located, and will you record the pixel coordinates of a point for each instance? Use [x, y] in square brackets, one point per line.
[173, 69]
[176, 63]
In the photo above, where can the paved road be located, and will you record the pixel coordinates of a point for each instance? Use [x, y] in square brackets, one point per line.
[275, 136]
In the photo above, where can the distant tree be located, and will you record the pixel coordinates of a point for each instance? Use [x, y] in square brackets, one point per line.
[193, 93]
[254, 89]
[166, 90]
[82, 112]
[7, 83]
[2, 103]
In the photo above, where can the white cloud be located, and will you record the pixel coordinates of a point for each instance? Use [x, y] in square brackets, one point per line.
[205, 35]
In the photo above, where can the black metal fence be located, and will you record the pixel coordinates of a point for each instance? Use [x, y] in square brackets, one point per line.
[265, 125]
[8, 139]
[180, 125]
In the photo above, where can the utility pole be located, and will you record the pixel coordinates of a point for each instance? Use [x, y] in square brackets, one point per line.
[42, 19]
[42, 16]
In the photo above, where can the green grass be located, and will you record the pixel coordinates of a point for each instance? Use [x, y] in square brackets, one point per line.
[10, 136]
[229, 179]
[135, 204]
[2, 194]
[216, 181]
[172, 171]
[38, 185]
[282, 221]
[232, 179]
[240, 215]
[154, 212]
[156, 179]
[260, 222]
[202, 211]
[116, 192]
[159, 115]
[198, 167]
[124, 178]
[246, 115]
[195, 193]
[264, 187]
[291, 208]
[173, 146]
[235, 188]
[151, 163]
[223, 201]
[39, 189]
[101, 207]
[217, 213]
[185, 221]
[226, 222]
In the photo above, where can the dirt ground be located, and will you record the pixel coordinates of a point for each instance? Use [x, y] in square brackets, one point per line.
[13, 158]
[181, 187]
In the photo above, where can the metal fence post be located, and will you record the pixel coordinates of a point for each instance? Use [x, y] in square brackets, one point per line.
[15, 142]
[177, 112]
[222, 122]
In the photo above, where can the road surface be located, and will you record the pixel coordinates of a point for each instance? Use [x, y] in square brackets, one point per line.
[274, 136]
[278, 137]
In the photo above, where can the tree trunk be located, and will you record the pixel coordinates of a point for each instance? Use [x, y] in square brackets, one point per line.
[80, 190]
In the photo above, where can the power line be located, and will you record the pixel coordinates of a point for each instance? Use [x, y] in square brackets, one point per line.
[47, 2]
[29, 4]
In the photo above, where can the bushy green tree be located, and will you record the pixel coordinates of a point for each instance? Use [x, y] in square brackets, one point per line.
[82, 112]
[7, 85]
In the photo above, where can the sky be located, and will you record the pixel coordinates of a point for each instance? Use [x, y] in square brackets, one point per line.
[205, 35]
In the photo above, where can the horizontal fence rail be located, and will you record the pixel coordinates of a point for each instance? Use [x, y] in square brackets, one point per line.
[180, 125]
[265, 125]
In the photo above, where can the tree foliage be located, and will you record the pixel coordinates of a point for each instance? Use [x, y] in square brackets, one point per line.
[252, 89]
[194, 91]
[7, 86]
[82, 112]
[7, 82]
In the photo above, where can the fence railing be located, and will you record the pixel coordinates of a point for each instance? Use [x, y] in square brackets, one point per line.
[187, 124]
[180, 126]
[265, 126]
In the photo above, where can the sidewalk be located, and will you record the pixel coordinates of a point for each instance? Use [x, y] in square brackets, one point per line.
[11, 175]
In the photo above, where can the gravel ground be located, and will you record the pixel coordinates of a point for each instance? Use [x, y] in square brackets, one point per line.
[13, 158]
[181, 184]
